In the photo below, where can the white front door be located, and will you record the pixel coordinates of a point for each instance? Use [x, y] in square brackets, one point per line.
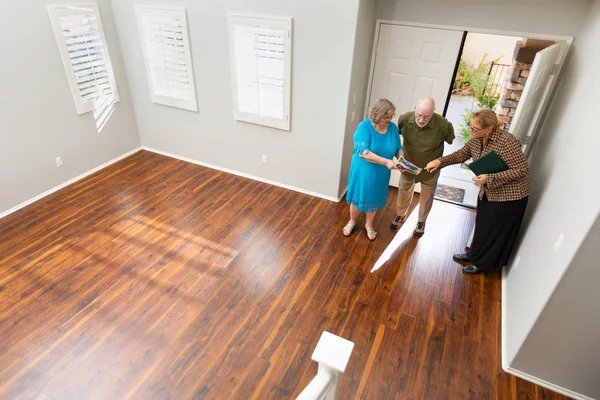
[411, 63]
[536, 94]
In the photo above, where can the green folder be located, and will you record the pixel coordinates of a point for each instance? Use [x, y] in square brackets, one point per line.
[491, 163]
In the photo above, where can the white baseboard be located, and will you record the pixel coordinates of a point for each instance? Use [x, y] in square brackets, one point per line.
[343, 194]
[67, 183]
[114, 160]
[523, 375]
[244, 175]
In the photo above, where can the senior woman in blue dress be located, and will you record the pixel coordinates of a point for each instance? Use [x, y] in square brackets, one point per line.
[376, 142]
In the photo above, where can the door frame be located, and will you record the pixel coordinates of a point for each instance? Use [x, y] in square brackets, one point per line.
[567, 39]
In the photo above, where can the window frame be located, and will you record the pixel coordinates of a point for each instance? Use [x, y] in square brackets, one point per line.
[263, 22]
[190, 105]
[55, 12]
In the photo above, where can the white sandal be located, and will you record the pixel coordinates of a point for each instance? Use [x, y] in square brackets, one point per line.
[371, 233]
[348, 228]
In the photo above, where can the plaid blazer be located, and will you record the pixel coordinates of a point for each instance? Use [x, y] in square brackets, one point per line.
[509, 185]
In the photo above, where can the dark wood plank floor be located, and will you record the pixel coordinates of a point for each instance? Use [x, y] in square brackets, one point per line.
[159, 279]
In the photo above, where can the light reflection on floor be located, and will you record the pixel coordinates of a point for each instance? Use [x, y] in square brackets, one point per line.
[404, 233]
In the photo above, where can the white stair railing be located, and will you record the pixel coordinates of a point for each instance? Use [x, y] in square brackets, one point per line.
[332, 353]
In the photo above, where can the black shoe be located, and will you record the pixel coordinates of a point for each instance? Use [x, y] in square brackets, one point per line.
[397, 221]
[419, 229]
[461, 257]
[471, 269]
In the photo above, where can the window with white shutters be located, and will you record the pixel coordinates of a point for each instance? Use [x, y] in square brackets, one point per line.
[166, 45]
[82, 45]
[260, 51]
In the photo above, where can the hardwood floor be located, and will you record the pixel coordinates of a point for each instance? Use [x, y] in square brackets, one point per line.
[159, 279]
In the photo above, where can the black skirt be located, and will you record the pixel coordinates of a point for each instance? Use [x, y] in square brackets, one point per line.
[496, 227]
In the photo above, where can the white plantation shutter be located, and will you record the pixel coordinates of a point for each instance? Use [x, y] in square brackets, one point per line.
[260, 51]
[80, 38]
[165, 40]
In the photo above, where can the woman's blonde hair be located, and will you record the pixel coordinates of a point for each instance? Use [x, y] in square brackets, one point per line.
[486, 118]
[379, 109]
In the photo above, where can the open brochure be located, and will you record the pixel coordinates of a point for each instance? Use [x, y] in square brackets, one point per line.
[407, 166]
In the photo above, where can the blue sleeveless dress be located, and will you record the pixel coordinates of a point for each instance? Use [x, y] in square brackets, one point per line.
[368, 183]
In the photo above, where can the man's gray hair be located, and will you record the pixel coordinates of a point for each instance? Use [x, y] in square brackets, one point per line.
[379, 109]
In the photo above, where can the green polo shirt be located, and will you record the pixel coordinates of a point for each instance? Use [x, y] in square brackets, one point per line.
[422, 145]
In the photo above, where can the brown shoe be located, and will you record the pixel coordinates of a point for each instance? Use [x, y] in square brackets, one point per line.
[397, 221]
[419, 229]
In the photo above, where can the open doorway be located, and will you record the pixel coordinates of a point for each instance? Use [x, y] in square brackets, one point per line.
[493, 73]
[483, 67]
[464, 71]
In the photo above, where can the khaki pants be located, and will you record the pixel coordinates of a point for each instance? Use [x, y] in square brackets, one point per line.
[406, 190]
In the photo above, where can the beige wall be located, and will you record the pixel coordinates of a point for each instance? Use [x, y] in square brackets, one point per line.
[363, 46]
[38, 119]
[310, 155]
[496, 46]
[557, 17]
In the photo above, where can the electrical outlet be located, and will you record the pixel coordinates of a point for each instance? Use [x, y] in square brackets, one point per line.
[353, 98]
[59, 162]
[558, 242]
[264, 159]
[353, 116]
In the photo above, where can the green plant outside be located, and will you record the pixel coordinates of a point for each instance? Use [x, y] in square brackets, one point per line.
[474, 81]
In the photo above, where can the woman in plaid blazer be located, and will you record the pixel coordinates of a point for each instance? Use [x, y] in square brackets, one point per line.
[502, 197]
